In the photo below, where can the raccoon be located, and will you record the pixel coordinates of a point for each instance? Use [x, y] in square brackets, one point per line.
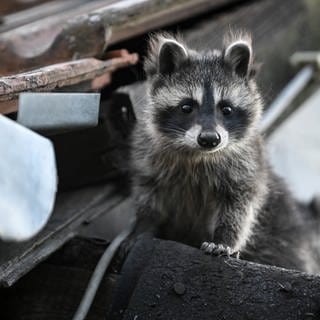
[200, 173]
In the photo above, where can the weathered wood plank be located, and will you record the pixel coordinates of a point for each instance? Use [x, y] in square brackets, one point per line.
[95, 72]
[71, 210]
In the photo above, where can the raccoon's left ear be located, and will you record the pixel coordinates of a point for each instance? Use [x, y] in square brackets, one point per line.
[165, 55]
[171, 54]
[239, 55]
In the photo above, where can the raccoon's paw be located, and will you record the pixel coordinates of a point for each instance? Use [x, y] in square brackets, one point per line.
[219, 250]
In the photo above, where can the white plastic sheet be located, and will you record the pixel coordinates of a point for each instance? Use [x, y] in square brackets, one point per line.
[28, 181]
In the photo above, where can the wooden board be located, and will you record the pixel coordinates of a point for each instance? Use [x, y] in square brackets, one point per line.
[72, 209]
[92, 74]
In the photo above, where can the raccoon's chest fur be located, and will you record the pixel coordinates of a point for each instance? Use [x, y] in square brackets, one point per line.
[188, 207]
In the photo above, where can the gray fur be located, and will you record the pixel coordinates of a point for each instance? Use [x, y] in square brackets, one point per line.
[226, 195]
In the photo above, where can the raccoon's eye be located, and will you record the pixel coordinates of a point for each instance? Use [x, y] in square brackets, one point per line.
[226, 108]
[186, 108]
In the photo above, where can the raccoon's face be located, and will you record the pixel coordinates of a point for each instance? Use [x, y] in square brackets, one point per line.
[203, 102]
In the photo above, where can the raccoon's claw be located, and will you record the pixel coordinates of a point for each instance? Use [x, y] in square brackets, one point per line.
[219, 250]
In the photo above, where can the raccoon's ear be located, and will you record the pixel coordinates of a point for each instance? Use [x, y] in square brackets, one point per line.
[171, 54]
[165, 55]
[239, 55]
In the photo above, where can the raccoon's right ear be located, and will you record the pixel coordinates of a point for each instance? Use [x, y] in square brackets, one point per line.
[238, 53]
[165, 55]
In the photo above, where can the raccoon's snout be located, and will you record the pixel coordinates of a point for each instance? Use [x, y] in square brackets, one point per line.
[209, 139]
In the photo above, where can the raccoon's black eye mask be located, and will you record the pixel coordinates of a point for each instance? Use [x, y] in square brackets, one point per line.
[226, 107]
[187, 105]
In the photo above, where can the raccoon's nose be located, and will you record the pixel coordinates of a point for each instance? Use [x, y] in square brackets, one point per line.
[209, 139]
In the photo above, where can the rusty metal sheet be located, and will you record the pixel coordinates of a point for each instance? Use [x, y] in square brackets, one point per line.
[96, 73]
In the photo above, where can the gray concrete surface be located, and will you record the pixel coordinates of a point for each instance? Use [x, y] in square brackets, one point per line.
[294, 149]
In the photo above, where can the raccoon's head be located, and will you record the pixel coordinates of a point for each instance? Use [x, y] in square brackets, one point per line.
[201, 101]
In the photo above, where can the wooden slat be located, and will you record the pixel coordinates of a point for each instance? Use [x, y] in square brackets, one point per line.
[71, 210]
[95, 72]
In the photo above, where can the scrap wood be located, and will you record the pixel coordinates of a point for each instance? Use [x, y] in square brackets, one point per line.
[72, 209]
[97, 72]
[87, 30]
